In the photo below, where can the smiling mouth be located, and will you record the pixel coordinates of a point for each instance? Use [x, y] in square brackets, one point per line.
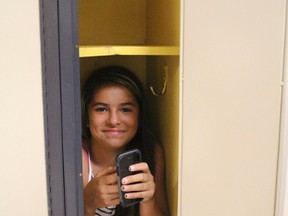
[114, 132]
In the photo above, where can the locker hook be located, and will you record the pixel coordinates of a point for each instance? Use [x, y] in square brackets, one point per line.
[157, 94]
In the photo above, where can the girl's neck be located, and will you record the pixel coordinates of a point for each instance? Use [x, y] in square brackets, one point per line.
[103, 157]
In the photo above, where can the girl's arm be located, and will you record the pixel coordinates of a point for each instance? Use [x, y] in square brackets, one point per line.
[158, 204]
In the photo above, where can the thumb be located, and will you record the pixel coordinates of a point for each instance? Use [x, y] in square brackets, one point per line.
[106, 171]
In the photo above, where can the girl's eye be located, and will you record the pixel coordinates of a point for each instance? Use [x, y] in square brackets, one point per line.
[101, 109]
[126, 110]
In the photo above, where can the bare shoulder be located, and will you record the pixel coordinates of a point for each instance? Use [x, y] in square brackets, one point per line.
[159, 148]
[160, 179]
[159, 157]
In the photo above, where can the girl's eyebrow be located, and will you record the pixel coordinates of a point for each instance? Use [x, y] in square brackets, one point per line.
[128, 104]
[100, 104]
[107, 105]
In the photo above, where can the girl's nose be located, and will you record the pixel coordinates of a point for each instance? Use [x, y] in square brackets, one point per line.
[113, 118]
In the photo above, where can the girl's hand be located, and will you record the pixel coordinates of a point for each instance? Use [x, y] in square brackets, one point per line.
[140, 185]
[101, 191]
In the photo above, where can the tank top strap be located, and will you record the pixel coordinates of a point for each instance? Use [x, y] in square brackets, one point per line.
[90, 173]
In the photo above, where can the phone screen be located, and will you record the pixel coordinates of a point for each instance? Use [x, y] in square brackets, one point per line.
[123, 162]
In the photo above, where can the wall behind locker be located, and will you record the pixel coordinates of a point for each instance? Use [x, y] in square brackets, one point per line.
[22, 161]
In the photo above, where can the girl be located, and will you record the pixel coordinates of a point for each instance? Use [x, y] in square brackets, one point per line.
[114, 120]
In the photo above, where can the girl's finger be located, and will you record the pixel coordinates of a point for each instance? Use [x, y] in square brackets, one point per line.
[112, 196]
[141, 194]
[110, 179]
[137, 187]
[109, 189]
[140, 177]
[115, 202]
[106, 171]
[139, 167]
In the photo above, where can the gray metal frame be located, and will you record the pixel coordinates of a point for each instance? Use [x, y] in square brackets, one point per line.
[62, 111]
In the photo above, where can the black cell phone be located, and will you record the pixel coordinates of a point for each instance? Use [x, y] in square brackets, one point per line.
[123, 161]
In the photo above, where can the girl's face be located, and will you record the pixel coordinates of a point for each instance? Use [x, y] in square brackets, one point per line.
[113, 117]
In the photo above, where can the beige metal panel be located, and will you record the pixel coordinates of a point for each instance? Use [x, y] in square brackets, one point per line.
[282, 195]
[233, 57]
[282, 183]
[22, 161]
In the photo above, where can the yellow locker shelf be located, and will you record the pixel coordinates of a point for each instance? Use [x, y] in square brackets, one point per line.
[94, 51]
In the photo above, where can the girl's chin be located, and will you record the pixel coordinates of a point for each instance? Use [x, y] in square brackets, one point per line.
[111, 143]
